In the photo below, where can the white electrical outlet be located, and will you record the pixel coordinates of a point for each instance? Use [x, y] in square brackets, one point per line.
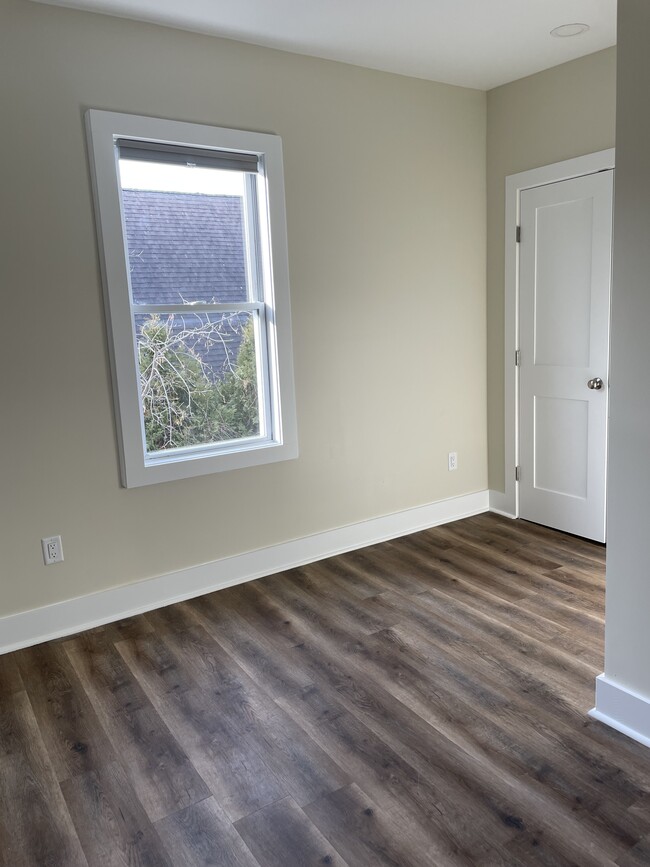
[452, 461]
[52, 550]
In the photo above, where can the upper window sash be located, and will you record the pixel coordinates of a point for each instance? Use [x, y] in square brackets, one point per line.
[250, 166]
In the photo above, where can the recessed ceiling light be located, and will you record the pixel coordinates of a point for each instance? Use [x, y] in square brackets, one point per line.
[570, 30]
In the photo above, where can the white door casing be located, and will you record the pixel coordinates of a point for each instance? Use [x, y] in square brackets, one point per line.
[564, 301]
[504, 497]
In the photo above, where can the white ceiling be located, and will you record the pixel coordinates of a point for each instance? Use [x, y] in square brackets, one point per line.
[475, 43]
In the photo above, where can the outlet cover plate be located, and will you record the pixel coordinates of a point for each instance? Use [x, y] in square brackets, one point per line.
[52, 550]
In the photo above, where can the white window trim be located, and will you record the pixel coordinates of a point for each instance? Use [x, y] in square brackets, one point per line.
[137, 469]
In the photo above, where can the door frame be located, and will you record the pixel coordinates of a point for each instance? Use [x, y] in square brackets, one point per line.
[507, 503]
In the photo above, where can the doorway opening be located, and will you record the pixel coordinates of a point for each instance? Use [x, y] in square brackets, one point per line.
[548, 323]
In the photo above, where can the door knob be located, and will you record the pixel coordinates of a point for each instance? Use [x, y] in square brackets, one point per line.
[596, 383]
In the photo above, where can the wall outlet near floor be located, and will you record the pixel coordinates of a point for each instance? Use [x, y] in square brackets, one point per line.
[52, 550]
[452, 461]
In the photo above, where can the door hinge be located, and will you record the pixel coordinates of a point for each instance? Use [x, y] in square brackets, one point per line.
[517, 474]
[517, 357]
[519, 234]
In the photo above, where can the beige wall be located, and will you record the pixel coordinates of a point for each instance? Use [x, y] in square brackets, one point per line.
[555, 115]
[385, 182]
[627, 639]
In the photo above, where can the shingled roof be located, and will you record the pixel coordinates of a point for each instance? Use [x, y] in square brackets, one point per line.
[184, 247]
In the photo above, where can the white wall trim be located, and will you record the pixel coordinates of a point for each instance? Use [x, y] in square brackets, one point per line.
[499, 504]
[508, 501]
[622, 709]
[84, 612]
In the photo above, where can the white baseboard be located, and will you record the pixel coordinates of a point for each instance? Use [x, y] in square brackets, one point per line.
[622, 709]
[501, 504]
[84, 612]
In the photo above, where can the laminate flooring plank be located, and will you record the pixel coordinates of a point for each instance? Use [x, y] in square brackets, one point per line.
[71, 731]
[445, 637]
[35, 825]
[539, 624]
[641, 807]
[441, 806]
[504, 619]
[456, 607]
[266, 609]
[111, 823]
[10, 679]
[305, 769]
[317, 584]
[586, 555]
[202, 835]
[159, 769]
[593, 758]
[637, 856]
[417, 552]
[422, 550]
[357, 581]
[514, 550]
[205, 721]
[464, 759]
[540, 577]
[371, 562]
[103, 674]
[204, 660]
[531, 699]
[281, 835]
[513, 584]
[555, 674]
[566, 614]
[255, 720]
[239, 777]
[524, 744]
[398, 728]
[428, 677]
[581, 563]
[337, 622]
[252, 651]
[366, 834]
[493, 539]
[591, 589]
[149, 652]
[454, 592]
[109, 633]
[176, 618]
[508, 561]
[531, 534]
[282, 610]
[540, 673]
[535, 848]
[264, 613]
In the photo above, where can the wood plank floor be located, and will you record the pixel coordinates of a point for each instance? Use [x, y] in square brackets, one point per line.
[420, 702]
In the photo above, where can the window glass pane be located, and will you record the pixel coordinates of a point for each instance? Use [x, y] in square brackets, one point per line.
[185, 233]
[198, 378]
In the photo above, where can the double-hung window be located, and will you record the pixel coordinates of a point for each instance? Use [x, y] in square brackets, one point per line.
[192, 236]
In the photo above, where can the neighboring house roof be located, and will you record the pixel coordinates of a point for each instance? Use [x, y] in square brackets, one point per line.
[186, 247]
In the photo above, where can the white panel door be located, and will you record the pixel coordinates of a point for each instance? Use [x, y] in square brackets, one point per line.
[565, 282]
